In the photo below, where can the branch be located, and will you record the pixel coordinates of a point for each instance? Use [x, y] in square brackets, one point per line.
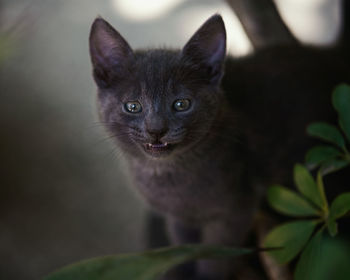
[345, 29]
[262, 23]
[274, 271]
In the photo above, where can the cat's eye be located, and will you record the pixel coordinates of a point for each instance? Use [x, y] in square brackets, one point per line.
[133, 107]
[182, 105]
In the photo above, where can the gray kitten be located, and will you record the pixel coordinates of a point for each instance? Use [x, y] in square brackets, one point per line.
[200, 144]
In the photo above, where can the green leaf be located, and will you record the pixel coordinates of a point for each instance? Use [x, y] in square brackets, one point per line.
[326, 132]
[288, 202]
[308, 262]
[319, 154]
[320, 187]
[148, 265]
[341, 103]
[307, 185]
[291, 237]
[332, 227]
[333, 263]
[333, 165]
[340, 206]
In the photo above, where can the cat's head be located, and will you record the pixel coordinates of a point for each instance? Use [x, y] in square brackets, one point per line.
[158, 102]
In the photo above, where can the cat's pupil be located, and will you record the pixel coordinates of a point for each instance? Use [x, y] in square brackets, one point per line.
[133, 107]
[182, 104]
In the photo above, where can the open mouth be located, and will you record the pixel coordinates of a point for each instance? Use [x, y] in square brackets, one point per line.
[158, 149]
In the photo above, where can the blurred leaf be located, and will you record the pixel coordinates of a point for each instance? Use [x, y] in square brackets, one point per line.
[334, 261]
[319, 154]
[5, 47]
[332, 227]
[308, 262]
[291, 236]
[148, 265]
[288, 202]
[340, 206]
[320, 187]
[326, 132]
[307, 185]
[341, 103]
[333, 165]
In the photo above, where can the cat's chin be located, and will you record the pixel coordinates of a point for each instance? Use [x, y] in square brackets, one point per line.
[158, 150]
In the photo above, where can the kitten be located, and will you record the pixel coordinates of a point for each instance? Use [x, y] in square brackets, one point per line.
[201, 145]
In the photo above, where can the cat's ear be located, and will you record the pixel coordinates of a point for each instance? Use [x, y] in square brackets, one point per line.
[111, 55]
[207, 48]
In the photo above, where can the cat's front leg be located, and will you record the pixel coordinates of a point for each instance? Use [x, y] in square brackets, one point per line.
[226, 232]
[182, 233]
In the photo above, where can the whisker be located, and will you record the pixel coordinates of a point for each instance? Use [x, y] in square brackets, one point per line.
[119, 135]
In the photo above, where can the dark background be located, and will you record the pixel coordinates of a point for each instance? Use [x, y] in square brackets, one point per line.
[63, 190]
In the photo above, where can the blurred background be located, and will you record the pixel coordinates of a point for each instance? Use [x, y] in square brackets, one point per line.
[64, 195]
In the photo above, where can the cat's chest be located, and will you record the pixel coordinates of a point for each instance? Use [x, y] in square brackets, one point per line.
[193, 193]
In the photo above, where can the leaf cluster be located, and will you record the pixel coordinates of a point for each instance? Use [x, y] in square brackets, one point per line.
[310, 203]
[334, 155]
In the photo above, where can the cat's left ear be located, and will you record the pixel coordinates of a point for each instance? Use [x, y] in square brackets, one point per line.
[207, 48]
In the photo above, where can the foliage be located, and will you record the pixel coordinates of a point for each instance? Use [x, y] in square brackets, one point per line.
[335, 155]
[307, 236]
[149, 265]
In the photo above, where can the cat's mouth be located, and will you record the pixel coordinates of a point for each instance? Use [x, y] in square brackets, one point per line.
[158, 149]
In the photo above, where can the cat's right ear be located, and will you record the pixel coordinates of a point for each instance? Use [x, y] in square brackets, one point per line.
[111, 55]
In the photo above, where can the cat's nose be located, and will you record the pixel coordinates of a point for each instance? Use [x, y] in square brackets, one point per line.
[157, 133]
[156, 127]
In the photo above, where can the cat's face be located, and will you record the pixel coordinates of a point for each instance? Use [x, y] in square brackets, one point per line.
[158, 103]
